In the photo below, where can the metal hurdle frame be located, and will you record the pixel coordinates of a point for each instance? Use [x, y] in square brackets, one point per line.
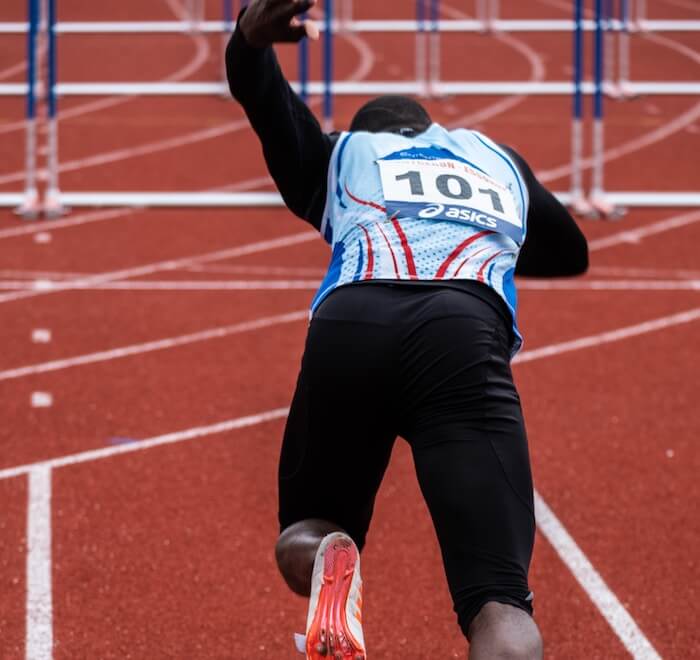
[427, 61]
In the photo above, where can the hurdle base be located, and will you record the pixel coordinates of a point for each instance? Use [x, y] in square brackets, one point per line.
[603, 208]
[580, 206]
[30, 208]
[53, 206]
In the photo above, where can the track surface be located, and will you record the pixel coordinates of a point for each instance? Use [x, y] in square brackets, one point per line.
[166, 552]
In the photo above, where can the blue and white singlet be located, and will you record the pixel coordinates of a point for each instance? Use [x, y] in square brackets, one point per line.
[442, 205]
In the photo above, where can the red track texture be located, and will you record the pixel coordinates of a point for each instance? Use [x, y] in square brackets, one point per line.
[166, 552]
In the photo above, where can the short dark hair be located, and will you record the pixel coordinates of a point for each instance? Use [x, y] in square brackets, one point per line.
[391, 114]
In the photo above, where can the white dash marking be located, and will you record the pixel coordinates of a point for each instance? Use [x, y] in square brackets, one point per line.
[42, 399]
[42, 285]
[41, 335]
[39, 621]
[42, 237]
[593, 584]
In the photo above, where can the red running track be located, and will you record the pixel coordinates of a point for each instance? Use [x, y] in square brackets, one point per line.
[167, 551]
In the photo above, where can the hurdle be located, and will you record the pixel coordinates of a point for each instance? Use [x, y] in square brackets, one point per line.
[29, 203]
[427, 22]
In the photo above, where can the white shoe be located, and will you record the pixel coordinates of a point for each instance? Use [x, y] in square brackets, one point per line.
[334, 623]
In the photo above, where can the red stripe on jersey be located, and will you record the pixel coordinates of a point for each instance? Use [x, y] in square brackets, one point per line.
[393, 256]
[480, 275]
[370, 254]
[364, 202]
[456, 252]
[471, 256]
[410, 263]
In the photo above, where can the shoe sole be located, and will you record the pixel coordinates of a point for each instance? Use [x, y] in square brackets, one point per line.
[328, 637]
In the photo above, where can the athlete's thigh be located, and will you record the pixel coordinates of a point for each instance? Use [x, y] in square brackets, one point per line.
[338, 438]
[469, 444]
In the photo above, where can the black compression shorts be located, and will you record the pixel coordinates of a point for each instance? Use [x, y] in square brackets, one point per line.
[432, 365]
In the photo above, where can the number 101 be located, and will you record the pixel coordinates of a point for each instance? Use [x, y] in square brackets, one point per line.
[451, 186]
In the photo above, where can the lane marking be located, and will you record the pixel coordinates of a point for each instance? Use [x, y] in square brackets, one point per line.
[148, 443]
[41, 400]
[39, 605]
[592, 583]
[41, 335]
[42, 237]
[160, 266]
[610, 285]
[158, 345]
[636, 235]
[525, 356]
[312, 285]
[173, 285]
[645, 272]
[610, 336]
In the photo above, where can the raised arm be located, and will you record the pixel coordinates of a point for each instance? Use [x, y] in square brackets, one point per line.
[554, 245]
[296, 150]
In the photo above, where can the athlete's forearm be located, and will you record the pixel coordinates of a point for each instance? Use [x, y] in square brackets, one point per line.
[554, 245]
[296, 150]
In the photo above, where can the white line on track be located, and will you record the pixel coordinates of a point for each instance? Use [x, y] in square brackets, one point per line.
[677, 273]
[39, 615]
[158, 345]
[592, 583]
[636, 235]
[610, 336]
[148, 443]
[167, 265]
[609, 285]
[312, 285]
[174, 285]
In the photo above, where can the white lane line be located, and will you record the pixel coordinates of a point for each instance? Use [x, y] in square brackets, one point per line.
[312, 285]
[608, 337]
[158, 345]
[261, 270]
[148, 443]
[592, 583]
[525, 356]
[609, 285]
[92, 216]
[619, 271]
[39, 612]
[636, 235]
[170, 264]
[173, 285]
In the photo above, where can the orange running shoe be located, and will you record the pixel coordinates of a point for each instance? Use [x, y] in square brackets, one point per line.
[334, 624]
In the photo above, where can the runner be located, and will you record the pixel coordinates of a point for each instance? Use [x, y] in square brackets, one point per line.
[412, 333]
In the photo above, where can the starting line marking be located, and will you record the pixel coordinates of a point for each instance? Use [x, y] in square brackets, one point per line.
[39, 612]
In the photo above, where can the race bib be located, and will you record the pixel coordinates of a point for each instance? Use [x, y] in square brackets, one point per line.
[448, 189]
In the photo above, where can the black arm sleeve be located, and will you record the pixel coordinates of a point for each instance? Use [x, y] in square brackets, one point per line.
[296, 150]
[554, 245]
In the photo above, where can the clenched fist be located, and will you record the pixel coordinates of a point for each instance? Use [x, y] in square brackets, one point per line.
[271, 21]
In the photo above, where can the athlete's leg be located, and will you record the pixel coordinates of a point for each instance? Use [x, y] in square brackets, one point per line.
[337, 442]
[504, 631]
[465, 427]
[296, 550]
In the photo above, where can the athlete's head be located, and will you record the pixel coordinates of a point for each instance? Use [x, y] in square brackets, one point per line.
[391, 114]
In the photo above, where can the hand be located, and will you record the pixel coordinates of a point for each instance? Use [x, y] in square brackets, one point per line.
[271, 21]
